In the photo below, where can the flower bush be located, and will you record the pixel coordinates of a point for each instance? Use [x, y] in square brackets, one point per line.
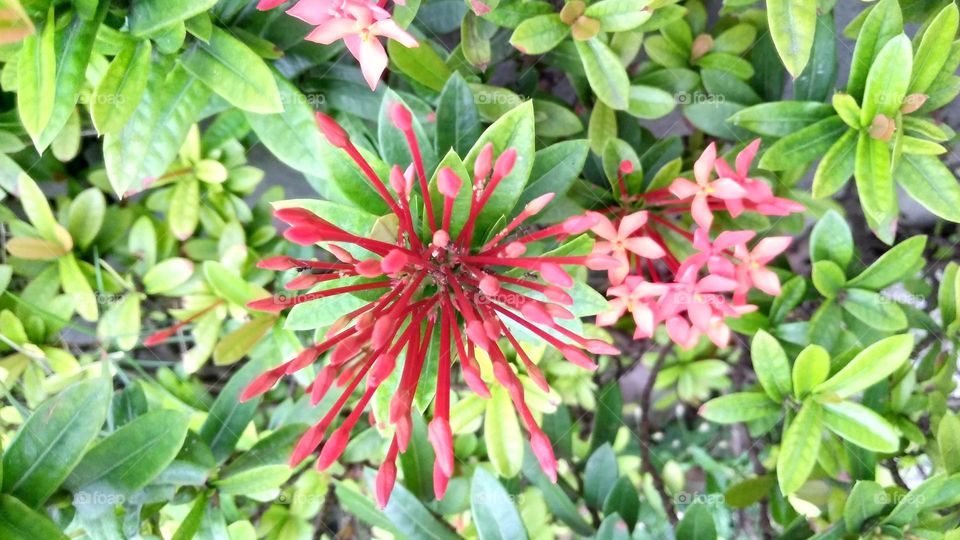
[479, 269]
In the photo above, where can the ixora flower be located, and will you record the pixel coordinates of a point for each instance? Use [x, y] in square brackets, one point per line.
[359, 23]
[439, 279]
[660, 281]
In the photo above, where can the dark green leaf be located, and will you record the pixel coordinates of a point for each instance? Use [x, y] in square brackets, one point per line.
[458, 122]
[494, 513]
[599, 476]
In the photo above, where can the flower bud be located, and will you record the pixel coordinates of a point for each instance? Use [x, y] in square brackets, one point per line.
[332, 131]
[401, 117]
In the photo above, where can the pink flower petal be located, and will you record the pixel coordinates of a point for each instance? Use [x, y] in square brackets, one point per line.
[389, 29]
[770, 247]
[746, 156]
[683, 188]
[700, 210]
[630, 224]
[766, 280]
[726, 188]
[645, 247]
[703, 165]
[333, 30]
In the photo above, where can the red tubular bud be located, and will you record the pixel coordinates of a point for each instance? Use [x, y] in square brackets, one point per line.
[505, 163]
[321, 384]
[441, 438]
[266, 5]
[535, 312]
[538, 204]
[401, 117]
[580, 224]
[398, 182]
[626, 167]
[543, 450]
[448, 183]
[554, 275]
[369, 268]
[386, 478]
[307, 444]
[394, 261]
[333, 448]
[578, 357]
[603, 262]
[515, 249]
[332, 131]
[490, 285]
[484, 162]
[279, 263]
[441, 238]
[440, 481]
[558, 295]
[160, 337]
[601, 347]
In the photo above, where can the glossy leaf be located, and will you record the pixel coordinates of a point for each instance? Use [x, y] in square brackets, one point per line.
[798, 450]
[494, 514]
[599, 476]
[929, 182]
[53, 440]
[861, 426]
[502, 434]
[771, 365]
[893, 265]
[606, 74]
[739, 407]
[803, 146]
[792, 25]
[873, 364]
[458, 122]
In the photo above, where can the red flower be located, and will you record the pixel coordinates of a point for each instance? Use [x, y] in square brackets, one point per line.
[436, 284]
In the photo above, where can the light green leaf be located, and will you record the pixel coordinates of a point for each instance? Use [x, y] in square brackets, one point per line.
[184, 213]
[828, 278]
[619, 15]
[861, 426]
[421, 64]
[235, 345]
[948, 440]
[803, 146]
[599, 476]
[875, 180]
[837, 166]
[781, 118]
[20, 522]
[873, 364]
[502, 434]
[875, 310]
[831, 239]
[892, 265]
[458, 121]
[540, 34]
[771, 365]
[887, 80]
[605, 73]
[148, 16]
[76, 286]
[793, 24]
[231, 69]
[739, 407]
[811, 368]
[929, 182]
[882, 23]
[697, 524]
[85, 217]
[36, 79]
[799, 448]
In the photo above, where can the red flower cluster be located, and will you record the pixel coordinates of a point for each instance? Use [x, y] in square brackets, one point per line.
[441, 284]
[693, 296]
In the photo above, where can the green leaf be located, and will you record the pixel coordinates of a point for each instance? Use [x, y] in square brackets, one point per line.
[866, 500]
[875, 310]
[421, 64]
[606, 75]
[184, 213]
[810, 369]
[861, 426]
[872, 365]
[819, 78]
[131, 457]
[771, 365]
[555, 169]
[37, 79]
[915, 502]
[793, 24]
[948, 294]
[412, 519]
[831, 240]
[462, 203]
[53, 439]
[19, 522]
[883, 23]
[121, 323]
[934, 49]
[887, 81]
[194, 519]
[417, 461]
[624, 501]
[230, 286]
[848, 109]
[458, 121]
[608, 419]
[540, 34]
[948, 440]
[828, 278]
[799, 448]
[781, 118]
[739, 407]
[555, 121]
[74, 45]
[929, 182]
[697, 524]
[152, 137]
[493, 511]
[749, 492]
[648, 102]
[803, 146]
[76, 286]
[235, 345]
[599, 476]
[557, 500]
[619, 15]
[502, 435]
[394, 148]
[875, 181]
[168, 275]
[235, 72]
[837, 166]
[893, 265]
[228, 417]
[85, 216]
[149, 16]
[512, 130]
[37, 209]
